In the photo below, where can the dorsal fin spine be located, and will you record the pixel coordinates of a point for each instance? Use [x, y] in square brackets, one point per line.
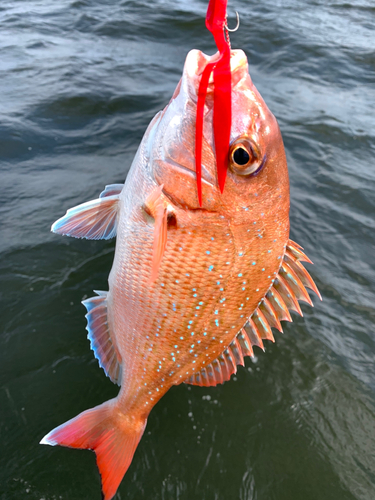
[237, 352]
[231, 360]
[301, 272]
[270, 314]
[278, 304]
[245, 343]
[262, 325]
[295, 283]
[287, 294]
[217, 368]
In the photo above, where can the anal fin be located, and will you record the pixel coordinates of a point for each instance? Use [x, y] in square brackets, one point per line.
[103, 345]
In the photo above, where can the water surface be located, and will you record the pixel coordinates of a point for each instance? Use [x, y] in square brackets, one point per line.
[79, 83]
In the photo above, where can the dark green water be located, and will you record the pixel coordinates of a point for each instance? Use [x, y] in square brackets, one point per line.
[80, 80]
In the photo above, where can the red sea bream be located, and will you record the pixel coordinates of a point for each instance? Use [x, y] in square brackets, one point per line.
[199, 277]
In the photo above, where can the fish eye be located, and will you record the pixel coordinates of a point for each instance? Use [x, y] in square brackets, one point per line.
[241, 156]
[244, 156]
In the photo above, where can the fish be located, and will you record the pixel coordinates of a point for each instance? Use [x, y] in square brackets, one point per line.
[203, 268]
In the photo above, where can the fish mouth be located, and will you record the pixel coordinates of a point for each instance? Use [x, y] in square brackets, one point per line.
[179, 185]
[206, 177]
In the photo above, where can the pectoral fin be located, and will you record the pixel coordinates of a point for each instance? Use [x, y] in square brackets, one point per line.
[94, 220]
[155, 206]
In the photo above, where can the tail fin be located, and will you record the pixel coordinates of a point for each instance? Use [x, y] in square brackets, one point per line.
[112, 435]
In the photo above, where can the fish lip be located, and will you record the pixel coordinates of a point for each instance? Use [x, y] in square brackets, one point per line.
[186, 169]
[175, 201]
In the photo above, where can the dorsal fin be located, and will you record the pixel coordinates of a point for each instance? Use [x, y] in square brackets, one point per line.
[287, 289]
[102, 344]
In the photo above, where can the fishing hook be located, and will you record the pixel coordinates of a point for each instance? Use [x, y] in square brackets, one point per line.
[237, 26]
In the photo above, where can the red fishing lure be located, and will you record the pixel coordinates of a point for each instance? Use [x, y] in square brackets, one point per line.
[215, 22]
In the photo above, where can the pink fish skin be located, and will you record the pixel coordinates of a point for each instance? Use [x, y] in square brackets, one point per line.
[175, 307]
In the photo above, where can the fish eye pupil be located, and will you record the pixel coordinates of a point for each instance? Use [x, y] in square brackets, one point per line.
[241, 156]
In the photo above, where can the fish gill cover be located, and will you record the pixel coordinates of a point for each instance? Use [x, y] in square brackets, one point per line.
[215, 22]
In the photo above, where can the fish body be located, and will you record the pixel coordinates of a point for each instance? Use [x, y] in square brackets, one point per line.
[219, 260]
[194, 283]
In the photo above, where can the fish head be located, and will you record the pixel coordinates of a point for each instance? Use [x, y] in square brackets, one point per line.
[257, 175]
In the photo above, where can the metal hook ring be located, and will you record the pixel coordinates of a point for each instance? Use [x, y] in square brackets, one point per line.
[237, 26]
